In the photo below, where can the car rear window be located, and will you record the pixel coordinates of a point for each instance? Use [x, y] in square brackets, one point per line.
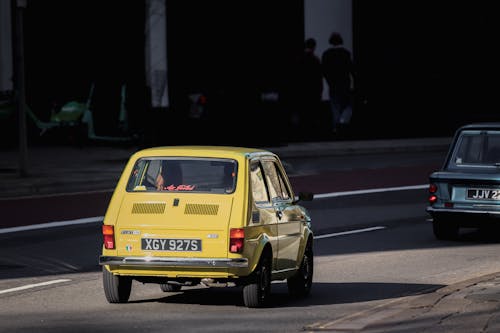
[183, 175]
[476, 149]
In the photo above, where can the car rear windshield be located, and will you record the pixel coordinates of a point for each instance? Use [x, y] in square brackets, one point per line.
[476, 149]
[183, 175]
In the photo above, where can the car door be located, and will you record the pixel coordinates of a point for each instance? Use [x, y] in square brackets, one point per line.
[289, 217]
[264, 220]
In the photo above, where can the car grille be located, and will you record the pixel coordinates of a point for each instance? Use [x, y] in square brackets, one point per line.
[201, 209]
[148, 208]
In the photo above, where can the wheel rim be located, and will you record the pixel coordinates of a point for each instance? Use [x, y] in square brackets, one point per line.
[307, 270]
[264, 282]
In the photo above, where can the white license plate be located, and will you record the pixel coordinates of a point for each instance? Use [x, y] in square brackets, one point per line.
[483, 194]
[170, 244]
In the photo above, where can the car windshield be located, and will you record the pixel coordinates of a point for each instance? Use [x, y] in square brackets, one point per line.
[183, 175]
[476, 149]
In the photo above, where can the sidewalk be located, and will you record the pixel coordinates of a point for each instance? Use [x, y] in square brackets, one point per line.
[62, 169]
[65, 169]
[468, 306]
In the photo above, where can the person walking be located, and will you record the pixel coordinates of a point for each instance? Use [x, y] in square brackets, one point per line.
[308, 88]
[338, 70]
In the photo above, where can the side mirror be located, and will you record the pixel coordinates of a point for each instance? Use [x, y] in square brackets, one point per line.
[305, 196]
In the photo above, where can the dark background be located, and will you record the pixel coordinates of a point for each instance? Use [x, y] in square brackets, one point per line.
[423, 68]
[427, 66]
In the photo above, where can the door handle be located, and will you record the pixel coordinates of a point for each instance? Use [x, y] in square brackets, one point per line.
[279, 214]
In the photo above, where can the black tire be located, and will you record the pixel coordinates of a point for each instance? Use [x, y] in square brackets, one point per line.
[170, 287]
[299, 285]
[445, 229]
[116, 288]
[256, 294]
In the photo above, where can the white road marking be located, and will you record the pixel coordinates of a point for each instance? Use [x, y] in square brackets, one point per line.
[356, 231]
[38, 196]
[374, 190]
[53, 224]
[29, 286]
[316, 196]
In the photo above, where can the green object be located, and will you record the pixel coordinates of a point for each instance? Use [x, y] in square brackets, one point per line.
[70, 112]
[6, 110]
[88, 119]
[43, 126]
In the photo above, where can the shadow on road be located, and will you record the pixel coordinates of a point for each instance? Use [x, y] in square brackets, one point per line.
[321, 294]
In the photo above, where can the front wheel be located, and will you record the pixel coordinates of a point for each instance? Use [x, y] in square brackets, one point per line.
[256, 293]
[299, 285]
[116, 288]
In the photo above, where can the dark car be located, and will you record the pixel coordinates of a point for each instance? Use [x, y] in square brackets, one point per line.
[465, 192]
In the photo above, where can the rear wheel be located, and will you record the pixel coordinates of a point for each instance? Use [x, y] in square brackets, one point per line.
[170, 287]
[299, 285]
[445, 229]
[116, 288]
[256, 293]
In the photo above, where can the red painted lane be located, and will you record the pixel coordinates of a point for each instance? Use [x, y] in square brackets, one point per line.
[362, 179]
[36, 210]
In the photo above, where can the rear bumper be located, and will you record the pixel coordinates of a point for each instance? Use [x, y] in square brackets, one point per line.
[174, 262]
[459, 211]
[465, 217]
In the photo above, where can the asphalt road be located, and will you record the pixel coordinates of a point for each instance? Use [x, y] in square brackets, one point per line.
[357, 276]
[372, 250]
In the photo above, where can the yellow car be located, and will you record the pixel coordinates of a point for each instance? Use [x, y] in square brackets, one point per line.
[206, 215]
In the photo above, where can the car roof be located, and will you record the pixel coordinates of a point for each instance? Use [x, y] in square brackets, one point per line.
[203, 151]
[480, 126]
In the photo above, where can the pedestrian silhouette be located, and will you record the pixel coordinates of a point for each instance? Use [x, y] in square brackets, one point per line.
[309, 86]
[338, 70]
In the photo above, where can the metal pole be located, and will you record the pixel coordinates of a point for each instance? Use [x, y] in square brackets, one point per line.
[18, 7]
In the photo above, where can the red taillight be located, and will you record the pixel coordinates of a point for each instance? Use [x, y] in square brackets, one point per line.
[448, 204]
[432, 190]
[432, 199]
[202, 100]
[108, 233]
[236, 240]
